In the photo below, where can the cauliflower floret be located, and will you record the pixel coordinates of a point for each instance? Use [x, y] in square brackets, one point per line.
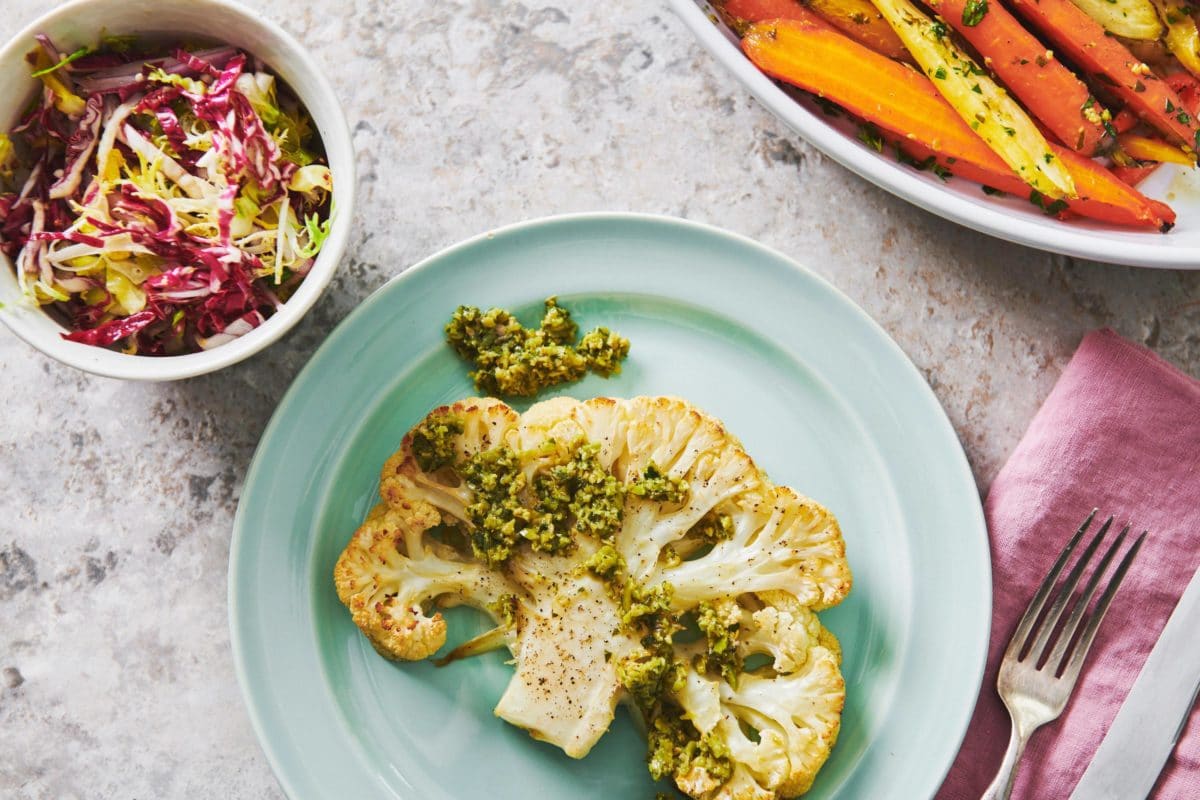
[793, 705]
[783, 629]
[607, 530]
[797, 715]
[390, 574]
[781, 542]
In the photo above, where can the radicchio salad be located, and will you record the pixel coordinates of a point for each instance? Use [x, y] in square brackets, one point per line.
[160, 199]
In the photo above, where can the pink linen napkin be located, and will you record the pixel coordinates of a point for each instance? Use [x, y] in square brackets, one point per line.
[1120, 431]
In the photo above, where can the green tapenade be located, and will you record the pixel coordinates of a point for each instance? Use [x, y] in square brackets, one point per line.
[575, 494]
[654, 485]
[647, 674]
[505, 607]
[676, 748]
[571, 492]
[497, 515]
[720, 629]
[713, 527]
[605, 563]
[512, 360]
[582, 488]
[433, 441]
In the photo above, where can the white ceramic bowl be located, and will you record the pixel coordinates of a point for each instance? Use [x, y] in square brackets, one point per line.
[80, 22]
[959, 200]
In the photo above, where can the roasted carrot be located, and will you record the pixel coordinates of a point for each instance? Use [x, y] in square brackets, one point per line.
[1188, 89]
[858, 19]
[982, 103]
[1050, 91]
[1113, 200]
[1143, 148]
[811, 55]
[1109, 198]
[1108, 61]
[1134, 175]
[1124, 121]
[921, 157]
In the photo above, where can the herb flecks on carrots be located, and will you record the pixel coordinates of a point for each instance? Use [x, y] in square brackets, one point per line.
[1084, 42]
[905, 105]
[1051, 92]
[979, 100]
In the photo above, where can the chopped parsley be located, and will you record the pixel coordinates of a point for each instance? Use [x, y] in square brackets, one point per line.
[1049, 208]
[868, 134]
[928, 164]
[974, 12]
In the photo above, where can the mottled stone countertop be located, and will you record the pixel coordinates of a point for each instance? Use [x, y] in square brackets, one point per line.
[116, 678]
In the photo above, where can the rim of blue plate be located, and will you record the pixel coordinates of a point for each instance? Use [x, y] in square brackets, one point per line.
[975, 651]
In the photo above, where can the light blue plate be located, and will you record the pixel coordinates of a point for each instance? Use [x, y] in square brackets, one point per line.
[819, 394]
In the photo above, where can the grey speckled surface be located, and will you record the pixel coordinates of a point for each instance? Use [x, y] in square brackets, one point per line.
[116, 678]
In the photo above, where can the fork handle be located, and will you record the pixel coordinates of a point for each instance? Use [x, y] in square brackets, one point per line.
[1002, 785]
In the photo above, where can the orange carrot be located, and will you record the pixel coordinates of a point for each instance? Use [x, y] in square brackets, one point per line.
[1188, 89]
[1124, 121]
[808, 53]
[1134, 175]
[858, 19]
[1101, 197]
[920, 155]
[1110, 199]
[1050, 91]
[1109, 62]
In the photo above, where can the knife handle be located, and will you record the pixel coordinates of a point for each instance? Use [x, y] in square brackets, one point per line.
[1186, 717]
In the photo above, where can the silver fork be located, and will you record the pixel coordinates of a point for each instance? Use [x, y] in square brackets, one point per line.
[1035, 686]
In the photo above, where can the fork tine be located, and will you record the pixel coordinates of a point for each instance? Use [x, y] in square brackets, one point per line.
[1039, 599]
[1066, 636]
[1071, 671]
[1064, 594]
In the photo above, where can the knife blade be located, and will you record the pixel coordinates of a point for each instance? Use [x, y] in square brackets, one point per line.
[1152, 718]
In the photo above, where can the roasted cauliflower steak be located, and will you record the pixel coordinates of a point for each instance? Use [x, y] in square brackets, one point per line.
[628, 551]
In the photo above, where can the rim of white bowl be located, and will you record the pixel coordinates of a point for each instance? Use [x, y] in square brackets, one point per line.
[28, 323]
[1109, 245]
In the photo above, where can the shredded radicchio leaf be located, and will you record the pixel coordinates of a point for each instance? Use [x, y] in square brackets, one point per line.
[163, 201]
